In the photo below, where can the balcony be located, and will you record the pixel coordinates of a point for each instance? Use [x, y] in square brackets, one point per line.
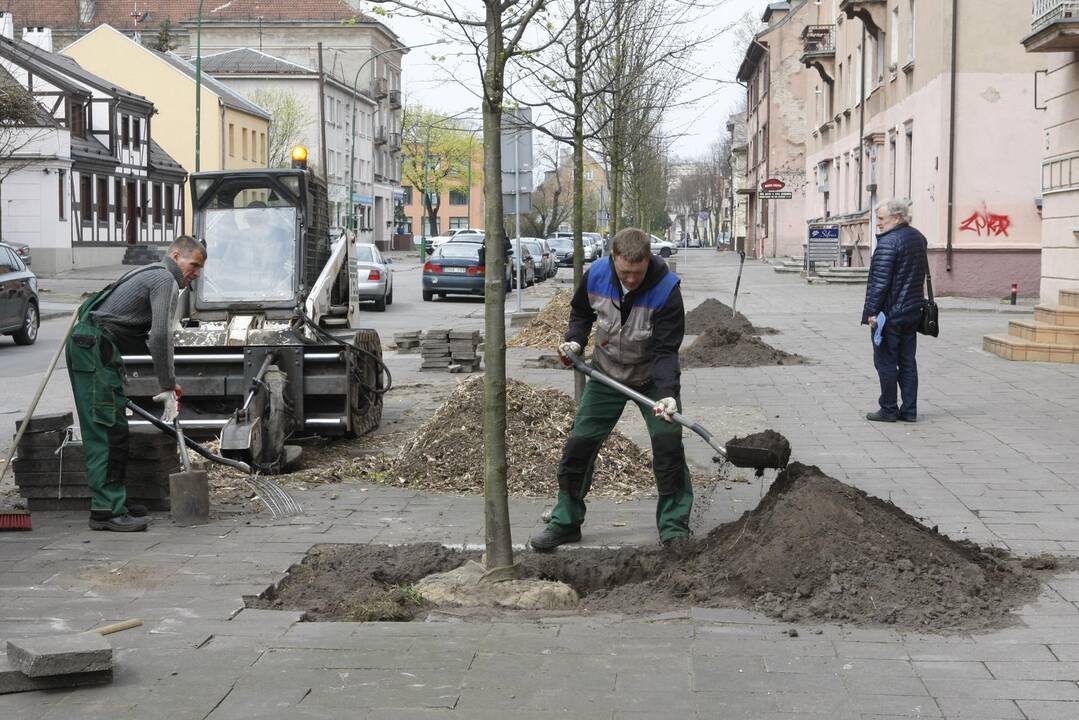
[380, 135]
[379, 89]
[818, 50]
[871, 12]
[395, 99]
[395, 141]
[1054, 26]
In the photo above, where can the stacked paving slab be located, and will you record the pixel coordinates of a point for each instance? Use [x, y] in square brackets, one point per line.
[57, 661]
[407, 342]
[50, 470]
[1052, 336]
[452, 351]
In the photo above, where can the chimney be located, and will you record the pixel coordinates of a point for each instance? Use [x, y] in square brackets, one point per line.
[7, 25]
[39, 36]
[87, 10]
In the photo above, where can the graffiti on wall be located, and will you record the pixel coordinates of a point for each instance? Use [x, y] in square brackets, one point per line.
[992, 224]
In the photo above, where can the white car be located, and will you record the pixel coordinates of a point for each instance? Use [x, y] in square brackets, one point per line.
[438, 241]
[666, 248]
[374, 277]
[464, 231]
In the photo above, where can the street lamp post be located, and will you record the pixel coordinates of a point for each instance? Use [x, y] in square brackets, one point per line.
[352, 149]
[198, 88]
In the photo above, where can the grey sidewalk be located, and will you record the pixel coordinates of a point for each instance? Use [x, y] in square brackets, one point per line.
[993, 459]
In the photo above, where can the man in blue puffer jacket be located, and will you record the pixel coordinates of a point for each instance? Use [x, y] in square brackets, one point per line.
[896, 288]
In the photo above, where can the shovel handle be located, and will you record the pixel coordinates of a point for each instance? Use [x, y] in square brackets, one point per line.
[165, 428]
[580, 366]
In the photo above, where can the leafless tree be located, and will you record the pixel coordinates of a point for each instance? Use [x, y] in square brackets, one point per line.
[22, 124]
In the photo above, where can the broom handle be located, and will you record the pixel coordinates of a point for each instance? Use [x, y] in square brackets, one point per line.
[38, 394]
[116, 627]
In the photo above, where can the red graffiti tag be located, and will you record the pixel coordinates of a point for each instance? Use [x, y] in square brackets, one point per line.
[993, 224]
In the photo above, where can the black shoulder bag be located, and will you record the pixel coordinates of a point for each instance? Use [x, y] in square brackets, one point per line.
[929, 325]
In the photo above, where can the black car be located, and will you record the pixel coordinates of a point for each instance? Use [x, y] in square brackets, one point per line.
[19, 314]
[458, 268]
[563, 250]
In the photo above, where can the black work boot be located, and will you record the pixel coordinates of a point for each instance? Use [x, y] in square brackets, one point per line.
[137, 511]
[879, 417]
[105, 520]
[553, 536]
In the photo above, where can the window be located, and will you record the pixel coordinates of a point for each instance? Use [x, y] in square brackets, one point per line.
[458, 198]
[125, 131]
[894, 60]
[870, 79]
[910, 160]
[136, 132]
[458, 223]
[102, 199]
[588, 174]
[144, 198]
[243, 132]
[170, 198]
[340, 115]
[61, 179]
[157, 203]
[262, 148]
[118, 193]
[78, 119]
[910, 36]
[232, 140]
[86, 198]
[893, 158]
[407, 189]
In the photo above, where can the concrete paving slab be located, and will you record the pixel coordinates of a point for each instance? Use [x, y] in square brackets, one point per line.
[47, 655]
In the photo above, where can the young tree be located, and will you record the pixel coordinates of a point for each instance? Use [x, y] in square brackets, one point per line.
[22, 124]
[289, 122]
[163, 41]
[435, 155]
[496, 32]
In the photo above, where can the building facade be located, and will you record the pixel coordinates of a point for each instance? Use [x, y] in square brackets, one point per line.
[776, 132]
[896, 109]
[1054, 34]
[737, 210]
[233, 131]
[457, 208]
[101, 184]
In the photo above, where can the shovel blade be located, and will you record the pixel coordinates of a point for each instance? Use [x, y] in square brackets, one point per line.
[189, 496]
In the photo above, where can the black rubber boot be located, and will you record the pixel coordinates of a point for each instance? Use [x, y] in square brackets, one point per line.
[118, 523]
[553, 536]
[137, 511]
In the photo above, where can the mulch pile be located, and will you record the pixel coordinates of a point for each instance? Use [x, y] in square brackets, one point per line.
[813, 550]
[714, 314]
[446, 454]
[547, 330]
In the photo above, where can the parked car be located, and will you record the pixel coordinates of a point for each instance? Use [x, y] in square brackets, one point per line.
[587, 247]
[437, 241]
[666, 248]
[19, 306]
[22, 250]
[597, 243]
[563, 250]
[546, 267]
[464, 231]
[458, 268]
[374, 277]
[693, 242]
[527, 271]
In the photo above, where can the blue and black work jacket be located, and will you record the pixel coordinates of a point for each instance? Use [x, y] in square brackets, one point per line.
[896, 284]
[638, 333]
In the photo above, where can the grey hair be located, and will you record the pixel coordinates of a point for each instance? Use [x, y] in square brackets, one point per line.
[186, 245]
[897, 208]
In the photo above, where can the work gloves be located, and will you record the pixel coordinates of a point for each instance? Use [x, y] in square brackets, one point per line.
[664, 408]
[568, 347]
[172, 405]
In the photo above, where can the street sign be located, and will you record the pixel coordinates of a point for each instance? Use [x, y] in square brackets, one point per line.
[773, 184]
[772, 195]
[824, 232]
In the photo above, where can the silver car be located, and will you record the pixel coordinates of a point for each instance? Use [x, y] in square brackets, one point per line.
[546, 265]
[374, 277]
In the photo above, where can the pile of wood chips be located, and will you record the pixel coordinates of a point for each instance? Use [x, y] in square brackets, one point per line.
[547, 330]
[446, 454]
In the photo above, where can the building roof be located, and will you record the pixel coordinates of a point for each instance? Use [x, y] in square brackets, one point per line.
[230, 97]
[774, 7]
[65, 14]
[161, 160]
[251, 61]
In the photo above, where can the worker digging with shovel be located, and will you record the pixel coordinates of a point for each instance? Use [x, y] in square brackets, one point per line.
[132, 315]
[634, 301]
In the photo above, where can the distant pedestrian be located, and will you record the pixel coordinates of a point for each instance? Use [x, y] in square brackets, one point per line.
[635, 303]
[896, 289]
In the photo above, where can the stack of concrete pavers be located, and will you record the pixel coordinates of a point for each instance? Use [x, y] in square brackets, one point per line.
[50, 470]
[56, 661]
[407, 342]
[435, 350]
[464, 346]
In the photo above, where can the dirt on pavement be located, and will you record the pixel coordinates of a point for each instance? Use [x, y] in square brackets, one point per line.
[814, 550]
[721, 347]
[713, 313]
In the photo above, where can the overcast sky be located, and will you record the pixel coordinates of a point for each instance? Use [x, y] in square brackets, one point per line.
[693, 127]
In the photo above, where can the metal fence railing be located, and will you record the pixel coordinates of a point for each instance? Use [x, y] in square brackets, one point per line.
[1050, 11]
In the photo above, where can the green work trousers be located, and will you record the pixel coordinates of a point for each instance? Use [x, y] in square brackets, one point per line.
[97, 382]
[598, 413]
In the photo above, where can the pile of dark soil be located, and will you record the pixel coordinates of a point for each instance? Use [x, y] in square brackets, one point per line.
[446, 454]
[714, 314]
[721, 347]
[770, 440]
[814, 550]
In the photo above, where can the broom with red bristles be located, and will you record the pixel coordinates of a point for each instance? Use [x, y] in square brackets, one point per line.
[14, 518]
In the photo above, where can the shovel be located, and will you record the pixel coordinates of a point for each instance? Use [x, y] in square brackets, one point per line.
[738, 455]
[189, 490]
[738, 283]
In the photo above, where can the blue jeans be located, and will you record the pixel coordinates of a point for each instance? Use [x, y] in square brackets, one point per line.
[896, 365]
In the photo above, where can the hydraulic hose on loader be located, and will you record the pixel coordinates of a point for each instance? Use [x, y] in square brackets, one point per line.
[737, 455]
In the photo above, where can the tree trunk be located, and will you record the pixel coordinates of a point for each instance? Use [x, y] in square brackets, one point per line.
[496, 514]
[578, 169]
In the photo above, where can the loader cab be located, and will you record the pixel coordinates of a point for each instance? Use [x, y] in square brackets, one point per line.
[257, 226]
